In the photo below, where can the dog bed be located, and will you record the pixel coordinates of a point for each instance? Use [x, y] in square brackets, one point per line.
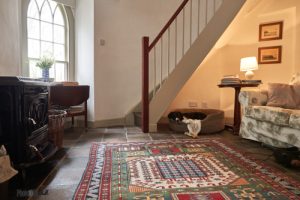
[212, 123]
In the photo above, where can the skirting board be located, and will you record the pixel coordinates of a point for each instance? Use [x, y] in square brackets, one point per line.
[107, 123]
[152, 128]
[98, 124]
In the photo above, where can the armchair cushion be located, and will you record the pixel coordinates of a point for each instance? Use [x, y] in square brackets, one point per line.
[281, 95]
[253, 98]
[295, 119]
[297, 94]
[275, 115]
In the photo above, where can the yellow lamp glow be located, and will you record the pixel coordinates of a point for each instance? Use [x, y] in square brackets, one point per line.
[247, 65]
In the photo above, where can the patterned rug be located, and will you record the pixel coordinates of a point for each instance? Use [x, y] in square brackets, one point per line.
[182, 170]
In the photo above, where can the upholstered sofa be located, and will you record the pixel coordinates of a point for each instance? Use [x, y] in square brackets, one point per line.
[275, 126]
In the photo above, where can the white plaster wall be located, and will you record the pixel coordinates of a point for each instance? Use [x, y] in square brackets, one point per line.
[241, 40]
[122, 24]
[201, 87]
[10, 53]
[245, 43]
[84, 45]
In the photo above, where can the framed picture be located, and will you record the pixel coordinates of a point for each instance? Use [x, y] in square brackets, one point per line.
[269, 55]
[270, 31]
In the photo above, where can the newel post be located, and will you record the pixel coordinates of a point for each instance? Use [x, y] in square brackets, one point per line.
[145, 85]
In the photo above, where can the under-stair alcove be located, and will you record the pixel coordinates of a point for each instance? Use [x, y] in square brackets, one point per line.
[240, 40]
[172, 57]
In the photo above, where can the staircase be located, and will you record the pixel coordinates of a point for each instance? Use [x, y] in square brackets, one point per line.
[177, 51]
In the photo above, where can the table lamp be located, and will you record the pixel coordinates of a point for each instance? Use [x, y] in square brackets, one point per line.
[247, 65]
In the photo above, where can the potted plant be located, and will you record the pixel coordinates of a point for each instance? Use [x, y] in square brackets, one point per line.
[45, 63]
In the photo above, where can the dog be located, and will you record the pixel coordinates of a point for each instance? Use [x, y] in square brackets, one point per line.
[178, 116]
[289, 157]
[193, 125]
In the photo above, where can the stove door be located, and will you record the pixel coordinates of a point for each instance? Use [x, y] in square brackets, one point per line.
[35, 111]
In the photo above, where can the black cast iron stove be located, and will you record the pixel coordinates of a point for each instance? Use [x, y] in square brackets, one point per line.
[24, 120]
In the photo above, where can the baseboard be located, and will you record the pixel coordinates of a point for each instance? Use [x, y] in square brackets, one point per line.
[129, 119]
[107, 123]
[97, 124]
[152, 128]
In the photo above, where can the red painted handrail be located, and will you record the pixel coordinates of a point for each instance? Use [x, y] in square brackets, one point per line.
[165, 28]
[145, 85]
[145, 70]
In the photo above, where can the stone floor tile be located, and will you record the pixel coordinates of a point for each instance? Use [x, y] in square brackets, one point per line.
[144, 135]
[63, 177]
[139, 138]
[60, 193]
[84, 143]
[115, 130]
[69, 143]
[78, 152]
[73, 133]
[160, 136]
[181, 136]
[134, 131]
[97, 137]
[115, 140]
[114, 136]
[73, 163]
[96, 130]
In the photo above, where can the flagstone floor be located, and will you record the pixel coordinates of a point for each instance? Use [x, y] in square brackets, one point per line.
[63, 179]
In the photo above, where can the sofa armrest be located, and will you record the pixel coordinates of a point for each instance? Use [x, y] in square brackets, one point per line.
[253, 98]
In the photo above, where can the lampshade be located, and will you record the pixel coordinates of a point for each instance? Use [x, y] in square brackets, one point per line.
[248, 64]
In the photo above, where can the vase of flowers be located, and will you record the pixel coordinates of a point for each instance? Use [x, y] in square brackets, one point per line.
[45, 63]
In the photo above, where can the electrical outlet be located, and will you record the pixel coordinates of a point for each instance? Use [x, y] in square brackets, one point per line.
[101, 41]
[204, 104]
[193, 104]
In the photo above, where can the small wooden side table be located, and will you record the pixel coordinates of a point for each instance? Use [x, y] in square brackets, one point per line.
[237, 106]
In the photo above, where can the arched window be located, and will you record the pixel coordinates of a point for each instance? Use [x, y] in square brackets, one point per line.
[47, 34]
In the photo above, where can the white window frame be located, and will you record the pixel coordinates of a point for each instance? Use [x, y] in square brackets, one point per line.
[69, 41]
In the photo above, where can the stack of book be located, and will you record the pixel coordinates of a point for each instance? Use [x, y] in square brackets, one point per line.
[252, 81]
[230, 79]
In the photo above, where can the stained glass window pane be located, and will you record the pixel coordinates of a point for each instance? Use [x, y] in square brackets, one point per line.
[33, 11]
[52, 72]
[46, 36]
[33, 48]
[59, 34]
[46, 31]
[40, 3]
[59, 52]
[53, 5]
[46, 14]
[58, 17]
[33, 27]
[60, 69]
[34, 71]
[46, 48]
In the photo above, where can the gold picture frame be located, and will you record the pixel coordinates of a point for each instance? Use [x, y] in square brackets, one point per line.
[270, 31]
[269, 55]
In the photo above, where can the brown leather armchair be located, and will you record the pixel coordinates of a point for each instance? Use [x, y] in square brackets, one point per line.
[72, 99]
